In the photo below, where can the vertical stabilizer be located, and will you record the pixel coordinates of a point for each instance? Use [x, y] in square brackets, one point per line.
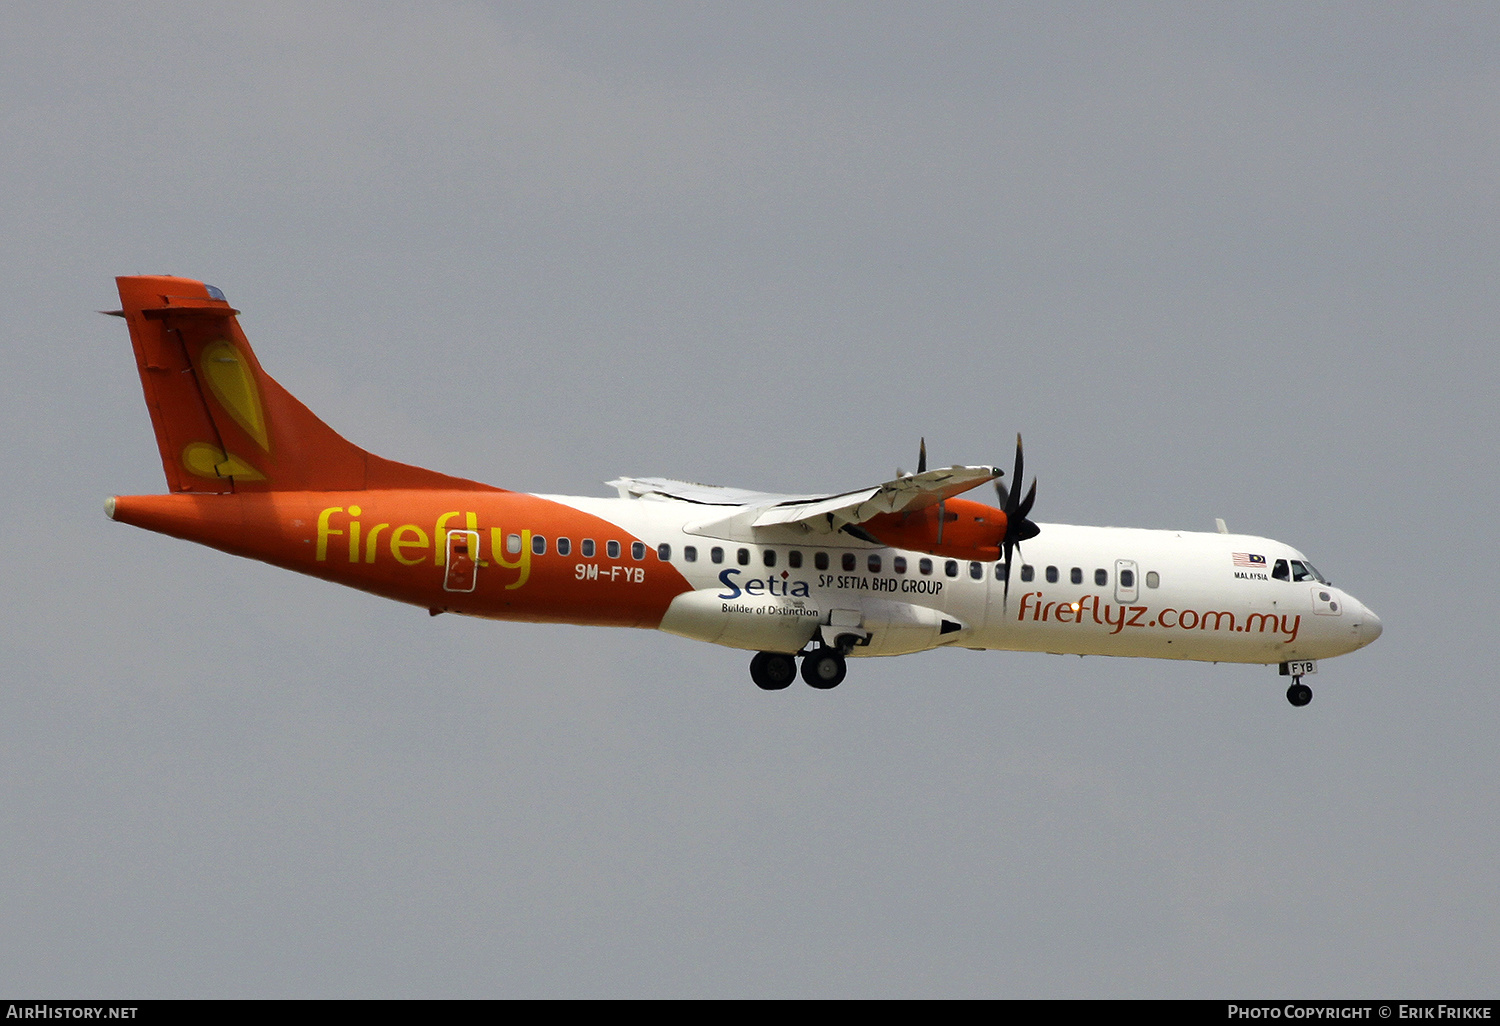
[222, 423]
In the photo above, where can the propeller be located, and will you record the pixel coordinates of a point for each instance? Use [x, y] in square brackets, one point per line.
[942, 505]
[1017, 527]
[921, 461]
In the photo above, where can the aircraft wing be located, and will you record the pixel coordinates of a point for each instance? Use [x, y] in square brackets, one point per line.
[820, 513]
[688, 491]
[902, 495]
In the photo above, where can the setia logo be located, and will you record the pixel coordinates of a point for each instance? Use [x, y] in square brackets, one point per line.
[760, 586]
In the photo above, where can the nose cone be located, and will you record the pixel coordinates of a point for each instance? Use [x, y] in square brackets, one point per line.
[1367, 626]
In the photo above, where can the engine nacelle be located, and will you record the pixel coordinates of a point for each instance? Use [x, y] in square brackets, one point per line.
[896, 628]
[956, 528]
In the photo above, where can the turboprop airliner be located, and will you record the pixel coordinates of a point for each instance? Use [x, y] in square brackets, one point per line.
[899, 567]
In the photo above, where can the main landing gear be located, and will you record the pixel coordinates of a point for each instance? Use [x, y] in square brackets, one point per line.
[773, 671]
[822, 668]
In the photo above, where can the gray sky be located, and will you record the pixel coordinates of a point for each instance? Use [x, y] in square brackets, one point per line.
[1212, 263]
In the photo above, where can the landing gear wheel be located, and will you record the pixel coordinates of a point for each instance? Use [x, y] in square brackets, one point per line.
[824, 668]
[1299, 694]
[773, 671]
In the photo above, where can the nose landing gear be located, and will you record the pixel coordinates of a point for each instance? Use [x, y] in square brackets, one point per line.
[1299, 694]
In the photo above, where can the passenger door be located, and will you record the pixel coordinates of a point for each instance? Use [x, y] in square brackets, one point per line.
[1127, 583]
[463, 561]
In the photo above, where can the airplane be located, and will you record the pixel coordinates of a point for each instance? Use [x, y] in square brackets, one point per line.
[899, 567]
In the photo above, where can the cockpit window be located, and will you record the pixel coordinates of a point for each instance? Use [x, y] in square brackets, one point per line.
[1280, 572]
[1305, 571]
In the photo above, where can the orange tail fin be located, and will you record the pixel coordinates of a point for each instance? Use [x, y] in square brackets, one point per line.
[222, 423]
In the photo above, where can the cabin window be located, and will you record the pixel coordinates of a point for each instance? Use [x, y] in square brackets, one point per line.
[924, 566]
[742, 557]
[539, 545]
[637, 550]
[976, 571]
[1077, 575]
[1002, 571]
[664, 552]
[1101, 577]
[951, 568]
[898, 564]
[612, 549]
[769, 557]
[1052, 575]
[794, 559]
[1127, 578]
[690, 553]
[1153, 579]
[587, 547]
[847, 561]
[564, 546]
[1028, 572]
[513, 543]
[874, 562]
[820, 560]
[716, 554]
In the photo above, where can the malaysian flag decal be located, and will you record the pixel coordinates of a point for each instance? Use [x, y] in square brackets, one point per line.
[1250, 559]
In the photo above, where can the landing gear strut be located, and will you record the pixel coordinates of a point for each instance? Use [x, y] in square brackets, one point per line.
[1299, 694]
[773, 671]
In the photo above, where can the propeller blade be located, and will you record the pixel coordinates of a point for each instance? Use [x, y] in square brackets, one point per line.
[1018, 477]
[922, 458]
[1005, 591]
[1026, 503]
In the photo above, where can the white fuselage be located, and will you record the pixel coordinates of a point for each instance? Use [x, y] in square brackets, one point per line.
[1077, 590]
